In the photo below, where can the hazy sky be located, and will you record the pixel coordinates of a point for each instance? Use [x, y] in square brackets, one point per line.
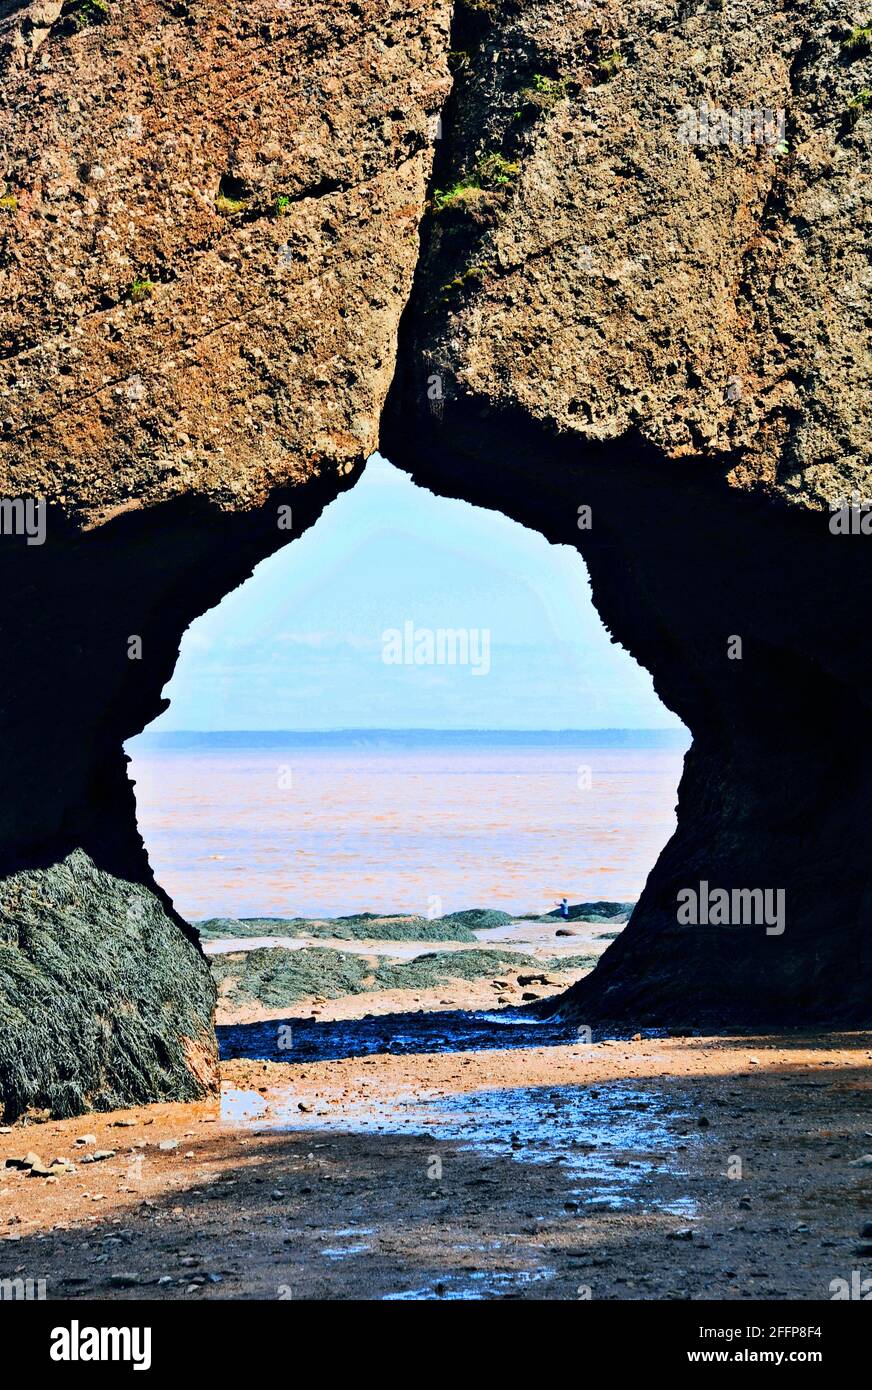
[300, 645]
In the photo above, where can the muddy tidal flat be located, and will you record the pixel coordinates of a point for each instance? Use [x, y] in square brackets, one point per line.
[438, 1144]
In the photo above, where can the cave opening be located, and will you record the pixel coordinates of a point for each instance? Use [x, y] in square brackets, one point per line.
[413, 708]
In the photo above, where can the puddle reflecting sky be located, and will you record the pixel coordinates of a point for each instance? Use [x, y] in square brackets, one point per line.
[606, 1139]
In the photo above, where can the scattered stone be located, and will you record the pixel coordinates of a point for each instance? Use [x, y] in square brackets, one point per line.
[124, 1280]
[86, 1139]
[98, 1156]
[168, 1144]
[683, 1233]
[26, 1162]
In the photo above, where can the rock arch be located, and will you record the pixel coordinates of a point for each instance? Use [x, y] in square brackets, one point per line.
[221, 246]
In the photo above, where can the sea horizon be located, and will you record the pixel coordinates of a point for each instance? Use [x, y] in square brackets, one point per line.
[251, 738]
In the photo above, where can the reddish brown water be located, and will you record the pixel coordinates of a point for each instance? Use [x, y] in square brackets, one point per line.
[287, 831]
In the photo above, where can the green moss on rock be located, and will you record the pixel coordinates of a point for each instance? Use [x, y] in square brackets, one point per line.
[84, 14]
[278, 977]
[367, 926]
[104, 1002]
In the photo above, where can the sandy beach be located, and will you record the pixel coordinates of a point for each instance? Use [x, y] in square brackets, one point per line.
[645, 1168]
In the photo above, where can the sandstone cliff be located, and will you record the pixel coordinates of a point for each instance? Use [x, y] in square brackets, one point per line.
[640, 324]
[222, 240]
[208, 229]
[651, 222]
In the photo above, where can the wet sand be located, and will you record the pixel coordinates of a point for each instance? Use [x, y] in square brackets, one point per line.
[691, 1168]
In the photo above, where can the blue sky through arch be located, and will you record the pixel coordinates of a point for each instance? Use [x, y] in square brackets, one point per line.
[300, 645]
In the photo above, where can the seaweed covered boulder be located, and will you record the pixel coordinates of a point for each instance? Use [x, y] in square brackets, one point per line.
[105, 1001]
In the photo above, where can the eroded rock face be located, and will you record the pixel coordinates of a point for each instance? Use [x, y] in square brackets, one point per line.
[208, 230]
[614, 259]
[609, 315]
[209, 227]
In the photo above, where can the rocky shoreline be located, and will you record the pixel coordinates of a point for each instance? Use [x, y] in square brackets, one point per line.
[455, 926]
[262, 966]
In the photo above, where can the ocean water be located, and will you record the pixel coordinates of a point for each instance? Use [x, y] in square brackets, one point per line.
[286, 825]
